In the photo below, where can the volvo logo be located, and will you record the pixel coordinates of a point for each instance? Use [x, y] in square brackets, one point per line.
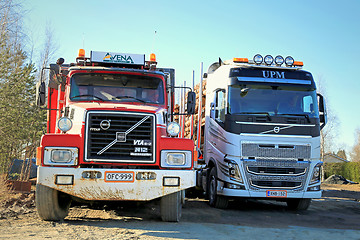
[105, 124]
[276, 129]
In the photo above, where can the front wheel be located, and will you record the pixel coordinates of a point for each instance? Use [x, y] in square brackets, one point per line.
[215, 200]
[51, 204]
[170, 207]
[298, 204]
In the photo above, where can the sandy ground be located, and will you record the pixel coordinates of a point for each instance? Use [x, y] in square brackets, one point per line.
[336, 215]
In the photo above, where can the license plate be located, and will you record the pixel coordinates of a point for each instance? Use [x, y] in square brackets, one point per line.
[276, 193]
[118, 176]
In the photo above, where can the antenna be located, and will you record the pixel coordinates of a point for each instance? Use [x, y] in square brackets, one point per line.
[83, 43]
[153, 43]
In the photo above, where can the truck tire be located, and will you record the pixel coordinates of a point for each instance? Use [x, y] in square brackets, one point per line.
[214, 199]
[298, 204]
[170, 207]
[51, 204]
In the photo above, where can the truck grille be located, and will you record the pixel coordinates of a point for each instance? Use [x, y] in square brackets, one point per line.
[276, 173]
[276, 184]
[274, 170]
[257, 150]
[120, 137]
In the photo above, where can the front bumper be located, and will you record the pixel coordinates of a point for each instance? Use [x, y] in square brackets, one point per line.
[262, 194]
[99, 189]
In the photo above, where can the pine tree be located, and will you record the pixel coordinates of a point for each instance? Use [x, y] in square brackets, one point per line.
[21, 121]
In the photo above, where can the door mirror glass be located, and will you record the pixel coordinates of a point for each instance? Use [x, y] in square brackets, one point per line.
[41, 94]
[191, 102]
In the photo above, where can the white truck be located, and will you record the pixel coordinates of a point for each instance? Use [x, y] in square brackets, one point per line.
[262, 132]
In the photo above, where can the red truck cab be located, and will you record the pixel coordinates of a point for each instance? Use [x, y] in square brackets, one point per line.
[110, 135]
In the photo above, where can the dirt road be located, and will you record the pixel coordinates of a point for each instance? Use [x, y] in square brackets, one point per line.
[335, 216]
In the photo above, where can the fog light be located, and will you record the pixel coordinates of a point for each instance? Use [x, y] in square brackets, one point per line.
[64, 124]
[64, 179]
[171, 181]
[316, 188]
[234, 186]
[173, 129]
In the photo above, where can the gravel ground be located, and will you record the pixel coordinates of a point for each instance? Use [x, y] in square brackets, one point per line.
[336, 215]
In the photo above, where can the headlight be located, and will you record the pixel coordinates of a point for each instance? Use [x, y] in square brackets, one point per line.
[64, 124]
[173, 129]
[234, 171]
[63, 156]
[60, 156]
[316, 176]
[176, 158]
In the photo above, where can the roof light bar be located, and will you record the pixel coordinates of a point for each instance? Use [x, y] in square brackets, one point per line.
[268, 59]
[258, 59]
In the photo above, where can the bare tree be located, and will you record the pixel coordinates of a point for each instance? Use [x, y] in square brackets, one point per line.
[330, 131]
[355, 153]
[49, 47]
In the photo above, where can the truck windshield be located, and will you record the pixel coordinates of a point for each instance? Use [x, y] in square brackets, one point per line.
[272, 100]
[116, 87]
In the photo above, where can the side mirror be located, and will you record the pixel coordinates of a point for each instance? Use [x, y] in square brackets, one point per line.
[40, 94]
[191, 102]
[322, 111]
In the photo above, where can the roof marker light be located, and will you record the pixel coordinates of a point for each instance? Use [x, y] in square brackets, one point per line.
[240, 60]
[268, 59]
[289, 61]
[279, 60]
[81, 53]
[298, 63]
[258, 59]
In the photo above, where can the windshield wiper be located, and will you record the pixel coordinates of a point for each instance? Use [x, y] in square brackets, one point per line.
[297, 114]
[88, 95]
[263, 113]
[122, 97]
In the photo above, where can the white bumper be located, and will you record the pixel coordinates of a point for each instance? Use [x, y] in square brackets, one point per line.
[262, 194]
[99, 189]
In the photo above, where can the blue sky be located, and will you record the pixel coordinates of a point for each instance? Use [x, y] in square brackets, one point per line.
[325, 35]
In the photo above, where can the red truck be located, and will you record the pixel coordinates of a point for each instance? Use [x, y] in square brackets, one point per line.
[110, 135]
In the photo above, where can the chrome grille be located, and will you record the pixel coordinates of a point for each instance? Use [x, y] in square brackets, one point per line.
[257, 150]
[276, 174]
[276, 184]
[130, 137]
